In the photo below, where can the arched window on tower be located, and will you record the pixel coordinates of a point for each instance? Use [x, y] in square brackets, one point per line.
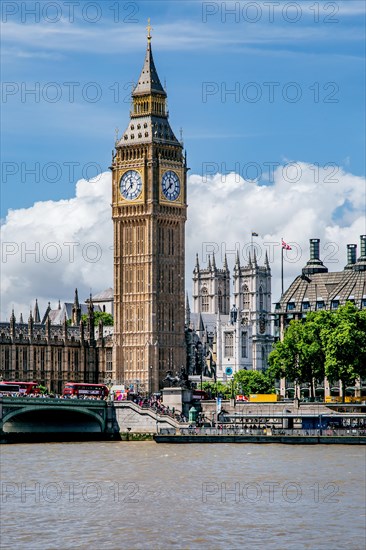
[204, 300]
[246, 297]
[260, 299]
[219, 298]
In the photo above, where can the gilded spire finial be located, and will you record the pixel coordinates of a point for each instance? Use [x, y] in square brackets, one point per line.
[149, 29]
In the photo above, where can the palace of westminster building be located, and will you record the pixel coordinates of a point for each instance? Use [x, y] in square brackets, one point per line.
[156, 328]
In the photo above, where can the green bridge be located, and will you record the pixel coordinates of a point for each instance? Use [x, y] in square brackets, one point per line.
[43, 417]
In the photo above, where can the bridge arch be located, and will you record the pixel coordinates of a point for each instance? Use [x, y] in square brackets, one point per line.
[47, 419]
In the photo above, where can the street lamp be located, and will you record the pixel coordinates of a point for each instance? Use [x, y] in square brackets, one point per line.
[150, 379]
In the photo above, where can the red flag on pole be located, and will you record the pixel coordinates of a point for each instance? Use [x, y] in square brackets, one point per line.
[286, 246]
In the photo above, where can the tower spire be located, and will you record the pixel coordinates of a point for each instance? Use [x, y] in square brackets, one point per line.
[76, 310]
[237, 261]
[36, 315]
[197, 266]
[226, 267]
[213, 261]
[149, 81]
[266, 262]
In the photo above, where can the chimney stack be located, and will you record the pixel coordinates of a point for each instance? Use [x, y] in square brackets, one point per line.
[314, 249]
[351, 255]
[314, 265]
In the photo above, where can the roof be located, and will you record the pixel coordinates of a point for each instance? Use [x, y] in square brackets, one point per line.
[209, 320]
[341, 286]
[104, 296]
[148, 128]
[57, 315]
[149, 81]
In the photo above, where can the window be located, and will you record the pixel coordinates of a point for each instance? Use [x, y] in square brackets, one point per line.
[244, 344]
[205, 300]
[264, 358]
[320, 304]
[290, 306]
[108, 360]
[42, 359]
[334, 304]
[260, 299]
[305, 305]
[25, 359]
[228, 344]
[246, 299]
[219, 296]
[59, 360]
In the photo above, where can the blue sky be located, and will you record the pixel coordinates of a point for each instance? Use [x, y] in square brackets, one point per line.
[302, 61]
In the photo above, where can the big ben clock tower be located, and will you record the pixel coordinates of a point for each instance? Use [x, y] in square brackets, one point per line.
[149, 214]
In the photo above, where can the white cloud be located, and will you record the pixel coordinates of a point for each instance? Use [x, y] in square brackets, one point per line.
[71, 240]
[223, 211]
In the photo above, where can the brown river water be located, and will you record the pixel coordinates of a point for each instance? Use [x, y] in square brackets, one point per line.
[143, 495]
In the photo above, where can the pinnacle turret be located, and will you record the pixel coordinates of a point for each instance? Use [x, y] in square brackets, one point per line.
[76, 310]
[266, 262]
[197, 266]
[249, 260]
[237, 262]
[213, 267]
[36, 315]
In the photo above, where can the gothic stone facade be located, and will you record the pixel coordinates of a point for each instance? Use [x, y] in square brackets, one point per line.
[54, 354]
[238, 337]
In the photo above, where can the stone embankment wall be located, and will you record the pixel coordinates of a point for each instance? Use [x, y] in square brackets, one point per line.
[131, 417]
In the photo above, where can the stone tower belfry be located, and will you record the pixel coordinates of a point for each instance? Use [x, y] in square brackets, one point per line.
[211, 288]
[149, 213]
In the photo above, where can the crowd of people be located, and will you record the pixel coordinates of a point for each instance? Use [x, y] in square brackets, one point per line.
[155, 403]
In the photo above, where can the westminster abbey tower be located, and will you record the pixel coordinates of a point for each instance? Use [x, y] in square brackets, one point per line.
[149, 214]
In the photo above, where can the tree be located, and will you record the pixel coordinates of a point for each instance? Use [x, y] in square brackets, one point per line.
[344, 341]
[106, 318]
[300, 356]
[217, 388]
[253, 381]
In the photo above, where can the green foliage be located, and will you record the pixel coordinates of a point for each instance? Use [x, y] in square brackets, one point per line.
[326, 343]
[243, 383]
[106, 318]
[344, 341]
[217, 388]
[253, 381]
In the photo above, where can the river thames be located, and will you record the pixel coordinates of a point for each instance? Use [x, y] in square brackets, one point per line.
[145, 495]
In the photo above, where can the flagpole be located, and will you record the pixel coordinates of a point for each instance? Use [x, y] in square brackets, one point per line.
[281, 268]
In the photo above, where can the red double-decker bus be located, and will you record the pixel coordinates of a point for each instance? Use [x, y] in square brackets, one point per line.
[85, 390]
[26, 388]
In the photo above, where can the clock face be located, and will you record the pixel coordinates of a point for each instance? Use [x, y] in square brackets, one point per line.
[131, 185]
[170, 185]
